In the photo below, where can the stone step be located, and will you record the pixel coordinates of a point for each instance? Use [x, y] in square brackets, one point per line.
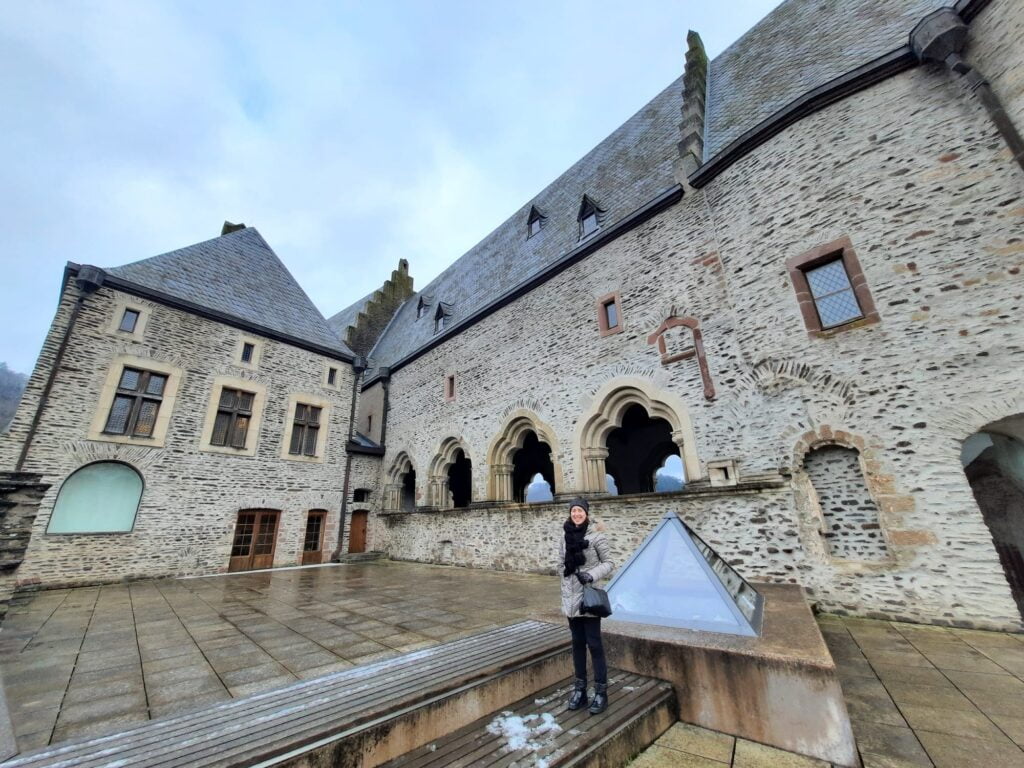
[359, 557]
[539, 731]
[363, 716]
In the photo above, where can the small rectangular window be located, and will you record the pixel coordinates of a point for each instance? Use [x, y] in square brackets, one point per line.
[369, 422]
[129, 320]
[234, 413]
[589, 224]
[833, 294]
[534, 227]
[247, 351]
[332, 376]
[305, 430]
[449, 387]
[136, 403]
[611, 314]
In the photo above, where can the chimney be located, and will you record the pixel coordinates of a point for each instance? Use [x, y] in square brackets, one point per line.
[228, 228]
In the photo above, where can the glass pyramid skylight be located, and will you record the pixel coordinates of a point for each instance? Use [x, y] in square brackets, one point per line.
[676, 580]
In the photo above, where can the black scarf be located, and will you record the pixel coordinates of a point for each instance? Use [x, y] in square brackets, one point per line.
[574, 545]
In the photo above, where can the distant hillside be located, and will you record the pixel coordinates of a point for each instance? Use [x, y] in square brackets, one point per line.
[12, 384]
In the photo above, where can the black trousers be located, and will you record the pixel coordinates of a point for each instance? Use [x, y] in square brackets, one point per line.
[586, 633]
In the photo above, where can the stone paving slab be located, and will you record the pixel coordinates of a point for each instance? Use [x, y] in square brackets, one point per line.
[86, 661]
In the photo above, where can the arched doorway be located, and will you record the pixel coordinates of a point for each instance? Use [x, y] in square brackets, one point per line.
[450, 476]
[524, 448]
[993, 461]
[460, 480]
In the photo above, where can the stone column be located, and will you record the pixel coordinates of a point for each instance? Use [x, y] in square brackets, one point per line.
[392, 497]
[437, 490]
[502, 482]
[594, 469]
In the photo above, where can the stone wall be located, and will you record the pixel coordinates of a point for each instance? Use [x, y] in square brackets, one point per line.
[20, 493]
[851, 529]
[192, 497]
[933, 207]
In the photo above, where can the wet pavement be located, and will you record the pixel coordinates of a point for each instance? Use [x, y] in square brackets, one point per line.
[84, 661]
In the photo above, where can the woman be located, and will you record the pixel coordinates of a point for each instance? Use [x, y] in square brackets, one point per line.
[584, 557]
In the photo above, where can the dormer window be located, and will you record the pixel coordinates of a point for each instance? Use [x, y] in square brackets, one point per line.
[421, 308]
[589, 217]
[441, 319]
[535, 222]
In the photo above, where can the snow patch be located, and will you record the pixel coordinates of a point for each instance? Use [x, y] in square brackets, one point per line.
[531, 731]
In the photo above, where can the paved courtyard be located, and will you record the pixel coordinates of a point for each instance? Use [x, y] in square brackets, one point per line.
[84, 661]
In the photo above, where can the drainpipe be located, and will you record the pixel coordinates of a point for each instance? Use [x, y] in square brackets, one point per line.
[358, 366]
[385, 374]
[88, 280]
[940, 37]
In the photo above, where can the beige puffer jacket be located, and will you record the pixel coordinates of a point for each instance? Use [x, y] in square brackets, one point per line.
[597, 563]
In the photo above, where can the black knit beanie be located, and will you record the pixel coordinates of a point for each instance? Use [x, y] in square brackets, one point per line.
[580, 502]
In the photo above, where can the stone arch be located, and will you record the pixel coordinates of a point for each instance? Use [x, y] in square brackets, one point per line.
[993, 463]
[518, 426]
[451, 453]
[400, 490]
[610, 404]
[826, 532]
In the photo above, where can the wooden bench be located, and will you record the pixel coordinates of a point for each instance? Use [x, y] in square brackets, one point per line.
[362, 716]
[640, 709]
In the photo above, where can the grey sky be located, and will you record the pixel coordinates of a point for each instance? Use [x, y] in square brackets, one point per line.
[350, 134]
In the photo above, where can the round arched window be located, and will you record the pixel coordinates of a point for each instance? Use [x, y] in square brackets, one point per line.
[98, 498]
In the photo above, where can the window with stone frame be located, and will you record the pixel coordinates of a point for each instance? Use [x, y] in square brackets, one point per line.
[609, 314]
[248, 348]
[129, 320]
[831, 288]
[234, 415]
[136, 403]
[305, 430]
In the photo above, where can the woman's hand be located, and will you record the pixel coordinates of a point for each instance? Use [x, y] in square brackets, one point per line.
[584, 577]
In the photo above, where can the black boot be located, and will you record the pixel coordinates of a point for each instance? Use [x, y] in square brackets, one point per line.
[600, 702]
[578, 700]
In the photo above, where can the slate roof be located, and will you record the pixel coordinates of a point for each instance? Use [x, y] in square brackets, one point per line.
[629, 168]
[238, 275]
[799, 46]
[340, 321]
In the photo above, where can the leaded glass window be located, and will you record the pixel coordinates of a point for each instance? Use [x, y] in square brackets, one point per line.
[833, 294]
[136, 403]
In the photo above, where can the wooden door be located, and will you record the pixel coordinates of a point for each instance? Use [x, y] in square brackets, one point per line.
[357, 532]
[255, 540]
[313, 543]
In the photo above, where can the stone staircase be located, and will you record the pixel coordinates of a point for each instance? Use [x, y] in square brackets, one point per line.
[403, 711]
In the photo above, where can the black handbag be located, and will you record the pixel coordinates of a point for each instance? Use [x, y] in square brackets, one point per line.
[595, 602]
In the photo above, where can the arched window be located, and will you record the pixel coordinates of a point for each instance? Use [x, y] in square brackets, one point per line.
[638, 449]
[533, 458]
[98, 498]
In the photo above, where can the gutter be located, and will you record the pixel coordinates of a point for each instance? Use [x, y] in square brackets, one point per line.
[358, 366]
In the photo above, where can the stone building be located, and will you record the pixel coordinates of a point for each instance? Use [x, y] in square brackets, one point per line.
[790, 284]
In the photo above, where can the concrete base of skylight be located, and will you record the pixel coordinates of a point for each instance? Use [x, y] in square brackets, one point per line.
[780, 689]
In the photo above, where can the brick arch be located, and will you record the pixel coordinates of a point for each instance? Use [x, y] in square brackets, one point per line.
[510, 439]
[437, 477]
[605, 414]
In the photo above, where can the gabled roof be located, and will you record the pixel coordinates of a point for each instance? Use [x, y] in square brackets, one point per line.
[628, 169]
[239, 276]
[799, 46]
